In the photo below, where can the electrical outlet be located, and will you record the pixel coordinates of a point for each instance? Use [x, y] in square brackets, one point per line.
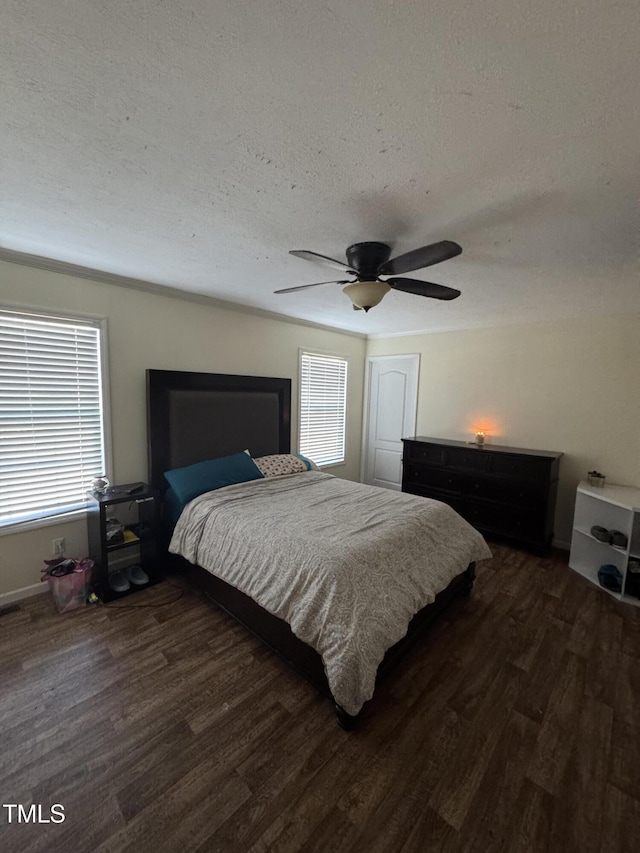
[57, 546]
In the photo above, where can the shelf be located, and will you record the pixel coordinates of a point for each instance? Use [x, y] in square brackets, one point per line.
[625, 497]
[106, 594]
[592, 576]
[122, 545]
[589, 535]
[130, 539]
[614, 508]
[137, 532]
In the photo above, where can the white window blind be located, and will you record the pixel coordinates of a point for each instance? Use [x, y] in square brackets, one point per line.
[323, 407]
[51, 421]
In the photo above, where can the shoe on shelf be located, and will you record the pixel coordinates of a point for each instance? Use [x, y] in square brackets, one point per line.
[618, 538]
[118, 581]
[610, 577]
[137, 576]
[600, 533]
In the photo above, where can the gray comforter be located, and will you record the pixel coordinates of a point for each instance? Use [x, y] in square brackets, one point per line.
[346, 565]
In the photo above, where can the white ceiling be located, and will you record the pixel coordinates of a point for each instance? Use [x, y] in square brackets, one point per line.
[194, 143]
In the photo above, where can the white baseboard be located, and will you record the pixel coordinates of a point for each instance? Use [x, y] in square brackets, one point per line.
[25, 592]
[39, 588]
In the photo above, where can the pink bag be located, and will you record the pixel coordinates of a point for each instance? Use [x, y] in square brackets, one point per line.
[71, 590]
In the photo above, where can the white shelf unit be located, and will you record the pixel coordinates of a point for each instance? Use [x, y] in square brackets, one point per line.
[615, 508]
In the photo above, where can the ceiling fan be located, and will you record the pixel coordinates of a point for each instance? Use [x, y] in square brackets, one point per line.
[368, 261]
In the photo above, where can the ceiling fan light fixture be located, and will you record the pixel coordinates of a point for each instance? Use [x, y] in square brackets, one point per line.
[366, 262]
[366, 294]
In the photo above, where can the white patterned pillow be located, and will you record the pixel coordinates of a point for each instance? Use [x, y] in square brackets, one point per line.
[279, 464]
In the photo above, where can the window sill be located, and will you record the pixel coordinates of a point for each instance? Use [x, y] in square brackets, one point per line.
[49, 521]
[332, 465]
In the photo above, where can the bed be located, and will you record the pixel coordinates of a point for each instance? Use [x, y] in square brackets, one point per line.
[199, 416]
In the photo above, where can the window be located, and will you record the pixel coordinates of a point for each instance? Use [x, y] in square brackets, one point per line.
[323, 407]
[51, 414]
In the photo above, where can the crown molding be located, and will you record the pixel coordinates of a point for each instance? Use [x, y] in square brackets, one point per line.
[64, 268]
[379, 335]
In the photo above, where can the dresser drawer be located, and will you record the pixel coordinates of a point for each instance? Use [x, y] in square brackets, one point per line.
[451, 500]
[467, 460]
[504, 519]
[523, 494]
[435, 478]
[520, 468]
[423, 453]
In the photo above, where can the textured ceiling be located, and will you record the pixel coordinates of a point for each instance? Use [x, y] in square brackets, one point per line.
[193, 144]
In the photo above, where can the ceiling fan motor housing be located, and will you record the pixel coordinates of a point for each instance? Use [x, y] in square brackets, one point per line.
[366, 258]
[367, 261]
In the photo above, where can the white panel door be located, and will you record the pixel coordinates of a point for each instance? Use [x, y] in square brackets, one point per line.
[391, 416]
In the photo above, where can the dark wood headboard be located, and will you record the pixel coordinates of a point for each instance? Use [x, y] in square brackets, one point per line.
[197, 416]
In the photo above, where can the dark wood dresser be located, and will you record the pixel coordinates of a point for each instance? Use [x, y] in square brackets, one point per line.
[505, 490]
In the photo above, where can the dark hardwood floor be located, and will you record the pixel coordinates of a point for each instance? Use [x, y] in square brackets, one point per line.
[514, 727]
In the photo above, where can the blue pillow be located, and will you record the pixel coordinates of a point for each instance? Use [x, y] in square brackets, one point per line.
[311, 465]
[212, 474]
[171, 509]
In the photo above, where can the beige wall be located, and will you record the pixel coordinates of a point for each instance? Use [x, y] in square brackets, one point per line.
[570, 386]
[149, 330]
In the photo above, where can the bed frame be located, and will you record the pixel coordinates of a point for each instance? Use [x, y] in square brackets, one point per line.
[197, 416]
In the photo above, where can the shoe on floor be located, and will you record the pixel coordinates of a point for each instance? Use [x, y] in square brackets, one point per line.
[137, 576]
[118, 581]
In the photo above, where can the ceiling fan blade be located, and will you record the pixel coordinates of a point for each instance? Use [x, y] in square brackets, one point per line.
[304, 286]
[420, 258]
[423, 288]
[321, 259]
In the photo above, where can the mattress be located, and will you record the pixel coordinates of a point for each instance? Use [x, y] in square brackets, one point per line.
[346, 565]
